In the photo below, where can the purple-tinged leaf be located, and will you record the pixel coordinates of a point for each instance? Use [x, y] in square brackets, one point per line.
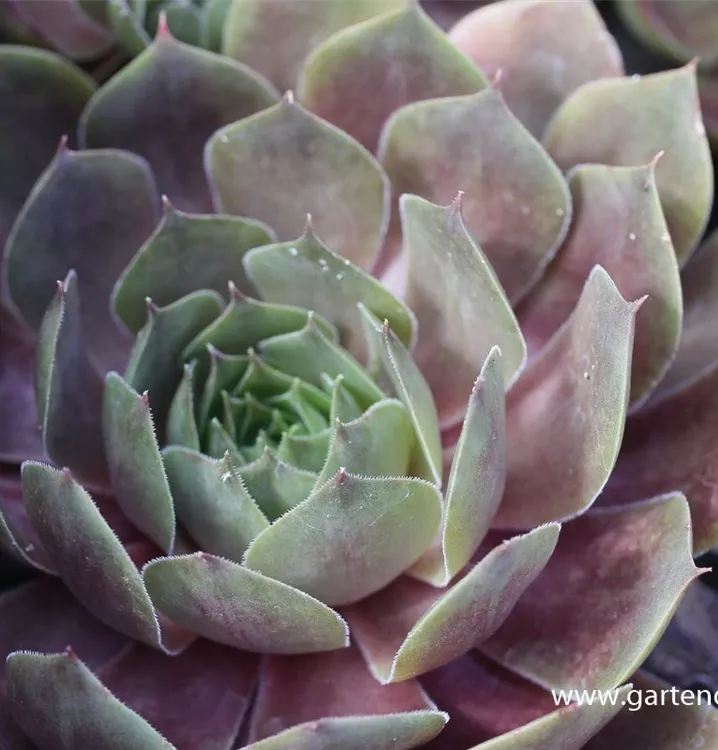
[708, 93]
[476, 480]
[681, 30]
[393, 367]
[604, 598]
[525, 42]
[626, 122]
[671, 446]
[384, 523]
[516, 205]
[33, 125]
[186, 252]
[89, 557]
[460, 306]
[330, 700]
[698, 345]
[212, 502]
[252, 27]
[155, 363]
[410, 628]
[138, 477]
[43, 687]
[300, 164]
[90, 211]
[659, 723]
[68, 390]
[308, 274]
[185, 94]
[231, 604]
[565, 416]
[350, 69]
[20, 437]
[196, 700]
[618, 223]
[66, 26]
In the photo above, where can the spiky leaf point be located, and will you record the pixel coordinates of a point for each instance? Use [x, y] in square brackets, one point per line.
[33, 126]
[626, 122]
[50, 237]
[253, 26]
[584, 623]
[301, 165]
[461, 309]
[516, 206]
[306, 273]
[386, 522]
[349, 69]
[525, 42]
[410, 628]
[186, 94]
[185, 253]
[619, 224]
[230, 604]
[565, 416]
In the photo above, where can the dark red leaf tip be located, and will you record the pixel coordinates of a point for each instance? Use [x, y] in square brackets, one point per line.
[70, 652]
[62, 147]
[458, 199]
[163, 29]
[146, 399]
[151, 307]
[167, 207]
[308, 227]
[342, 476]
[67, 475]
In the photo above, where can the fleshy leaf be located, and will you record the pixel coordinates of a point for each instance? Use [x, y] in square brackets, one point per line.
[410, 628]
[90, 211]
[604, 598]
[181, 422]
[127, 26]
[525, 42]
[309, 353]
[565, 416]
[680, 30]
[517, 205]
[67, 27]
[252, 28]
[392, 364]
[301, 165]
[88, 556]
[350, 69]
[626, 122]
[212, 502]
[379, 443]
[155, 363]
[196, 700]
[618, 223]
[476, 481]
[33, 125]
[224, 370]
[669, 446]
[138, 476]
[185, 94]
[307, 274]
[386, 523]
[43, 687]
[230, 604]
[460, 306]
[187, 252]
[69, 390]
[330, 700]
[698, 346]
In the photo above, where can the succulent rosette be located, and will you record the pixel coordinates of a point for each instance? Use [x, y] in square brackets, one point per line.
[442, 447]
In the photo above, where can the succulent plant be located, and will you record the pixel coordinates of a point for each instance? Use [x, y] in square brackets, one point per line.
[442, 447]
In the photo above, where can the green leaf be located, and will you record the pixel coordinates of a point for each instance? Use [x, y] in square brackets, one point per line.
[185, 94]
[307, 274]
[344, 406]
[127, 27]
[133, 455]
[225, 370]
[181, 423]
[59, 703]
[304, 452]
[423, 62]
[69, 390]
[386, 522]
[230, 604]
[212, 502]
[186, 252]
[301, 165]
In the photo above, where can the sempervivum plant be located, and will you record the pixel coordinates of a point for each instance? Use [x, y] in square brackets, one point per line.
[328, 483]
